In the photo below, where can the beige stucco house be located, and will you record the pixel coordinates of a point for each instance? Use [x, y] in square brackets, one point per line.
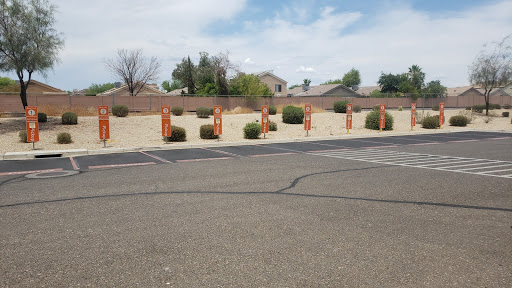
[276, 84]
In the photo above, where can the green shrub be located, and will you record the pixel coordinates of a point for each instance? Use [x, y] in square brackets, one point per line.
[376, 108]
[41, 117]
[64, 138]
[23, 136]
[435, 107]
[400, 108]
[340, 106]
[506, 106]
[120, 110]
[272, 110]
[430, 122]
[69, 118]
[272, 126]
[177, 110]
[372, 120]
[459, 120]
[252, 130]
[210, 111]
[468, 108]
[203, 112]
[207, 132]
[293, 115]
[481, 108]
[178, 134]
[357, 109]
[494, 106]
[505, 114]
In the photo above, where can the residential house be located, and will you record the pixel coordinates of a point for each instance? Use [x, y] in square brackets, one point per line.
[178, 91]
[276, 84]
[36, 87]
[122, 90]
[504, 91]
[329, 89]
[367, 90]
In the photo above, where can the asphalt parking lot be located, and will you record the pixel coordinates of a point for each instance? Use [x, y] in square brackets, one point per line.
[401, 211]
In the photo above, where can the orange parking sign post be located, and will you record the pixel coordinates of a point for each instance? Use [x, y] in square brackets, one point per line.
[441, 114]
[104, 124]
[32, 125]
[382, 122]
[217, 118]
[349, 117]
[264, 120]
[413, 115]
[307, 118]
[166, 121]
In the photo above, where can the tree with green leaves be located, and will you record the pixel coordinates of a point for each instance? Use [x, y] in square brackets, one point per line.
[307, 82]
[99, 88]
[248, 84]
[416, 76]
[351, 78]
[335, 81]
[28, 40]
[389, 83]
[492, 68]
[5, 82]
[184, 72]
[434, 89]
[294, 86]
[175, 84]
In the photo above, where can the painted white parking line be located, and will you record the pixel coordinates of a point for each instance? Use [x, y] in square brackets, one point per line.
[417, 160]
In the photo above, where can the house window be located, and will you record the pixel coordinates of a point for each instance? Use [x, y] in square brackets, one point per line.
[278, 87]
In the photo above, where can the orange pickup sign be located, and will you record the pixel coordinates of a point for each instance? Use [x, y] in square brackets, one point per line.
[349, 117]
[307, 117]
[441, 114]
[382, 122]
[217, 118]
[264, 119]
[32, 124]
[103, 122]
[166, 120]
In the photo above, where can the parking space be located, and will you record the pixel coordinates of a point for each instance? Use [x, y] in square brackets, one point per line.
[190, 155]
[19, 167]
[338, 147]
[114, 160]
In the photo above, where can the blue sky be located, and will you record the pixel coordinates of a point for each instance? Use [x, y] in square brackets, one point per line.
[319, 40]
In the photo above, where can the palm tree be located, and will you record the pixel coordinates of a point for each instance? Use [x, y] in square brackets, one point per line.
[416, 76]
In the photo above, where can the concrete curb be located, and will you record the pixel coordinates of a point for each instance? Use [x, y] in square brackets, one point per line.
[82, 152]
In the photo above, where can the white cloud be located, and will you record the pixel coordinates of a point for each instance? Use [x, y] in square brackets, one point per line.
[305, 69]
[443, 45]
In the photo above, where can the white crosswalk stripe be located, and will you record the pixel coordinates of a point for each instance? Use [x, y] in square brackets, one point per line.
[484, 167]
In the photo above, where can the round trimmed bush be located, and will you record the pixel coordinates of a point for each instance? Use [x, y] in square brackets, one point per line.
[120, 110]
[272, 126]
[41, 117]
[430, 122]
[376, 108]
[400, 108]
[203, 112]
[293, 115]
[357, 109]
[272, 110]
[480, 108]
[177, 110]
[340, 106]
[69, 118]
[435, 107]
[64, 138]
[207, 132]
[372, 121]
[23, 136]
[178, 134]
[468, 108]
[494, 106]
[459, 120]
[252, 130]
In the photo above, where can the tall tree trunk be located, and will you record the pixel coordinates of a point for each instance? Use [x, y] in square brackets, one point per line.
[23, 93]
[487, 96]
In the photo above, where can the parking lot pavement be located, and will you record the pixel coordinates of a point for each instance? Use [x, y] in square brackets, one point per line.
[292, 220]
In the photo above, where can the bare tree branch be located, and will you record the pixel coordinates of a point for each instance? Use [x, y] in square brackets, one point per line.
[134, 69]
